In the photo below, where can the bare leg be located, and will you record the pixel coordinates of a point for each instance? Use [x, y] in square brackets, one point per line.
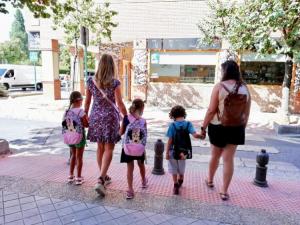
[175, 180]
[228, 159]
[79, 161]
[130, 168]
[107, 157]
[216, 153]
[142, 170]
[72, 161]
[100, 152]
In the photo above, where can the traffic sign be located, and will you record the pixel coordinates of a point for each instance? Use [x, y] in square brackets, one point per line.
[33, 56]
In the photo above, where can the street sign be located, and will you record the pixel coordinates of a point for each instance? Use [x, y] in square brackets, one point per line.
[33, 56]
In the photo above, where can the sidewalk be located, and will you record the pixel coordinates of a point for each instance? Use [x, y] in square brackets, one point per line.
[248, 204]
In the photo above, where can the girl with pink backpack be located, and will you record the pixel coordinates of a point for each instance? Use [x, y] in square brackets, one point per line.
[134, 128]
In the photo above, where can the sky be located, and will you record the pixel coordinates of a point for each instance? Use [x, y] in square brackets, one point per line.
[5, 23]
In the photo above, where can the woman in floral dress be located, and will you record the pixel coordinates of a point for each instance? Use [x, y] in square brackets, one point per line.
[104, 121]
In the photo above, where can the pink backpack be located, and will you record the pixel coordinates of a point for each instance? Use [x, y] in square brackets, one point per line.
[135, 139]
[72, 128]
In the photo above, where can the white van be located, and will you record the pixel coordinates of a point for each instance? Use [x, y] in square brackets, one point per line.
[20, 76]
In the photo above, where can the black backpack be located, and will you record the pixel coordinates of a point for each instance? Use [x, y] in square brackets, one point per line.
[182, 142]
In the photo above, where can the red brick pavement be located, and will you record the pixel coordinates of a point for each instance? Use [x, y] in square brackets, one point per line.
[281, 196]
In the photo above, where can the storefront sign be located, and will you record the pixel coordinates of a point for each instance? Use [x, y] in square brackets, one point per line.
[155, 58]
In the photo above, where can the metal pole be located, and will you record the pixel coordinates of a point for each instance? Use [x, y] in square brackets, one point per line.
[34, 77]
[85, 63]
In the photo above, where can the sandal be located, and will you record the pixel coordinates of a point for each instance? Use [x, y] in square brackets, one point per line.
[129, 194]
[209, 184]
[144, 183]
[224, 196]
[107, 180]
[71, 179]
[79, 180]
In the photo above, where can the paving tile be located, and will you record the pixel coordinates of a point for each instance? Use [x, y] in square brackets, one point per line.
[61, 205]
[37, 198]
[68, 219]
[46, 208]
[1, 219]
[80, 215]
[10, 203]
[117, 213]
[145, 221]
[181, 220]
[13, 209]
[89, 205]
[10, 197]
[32, 220]
[130, 218]
[205, 222]
[29, 205]
[30, 212]
[21, 195]
[97, 210]
[17, 222]
[1, 212]
[65, 211]
[53, 222]
[89, 221]
[79, 207]
[49, 215]
[27, 199]
[111, 222]
[56, 200]
[160, 218]
[110, 208]
[148, 214]
[13, 217]
[128, 211]
[104, 217]
[42, 202]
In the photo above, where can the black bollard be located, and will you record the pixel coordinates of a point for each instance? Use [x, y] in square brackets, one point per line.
[158, 158]
[262, 160]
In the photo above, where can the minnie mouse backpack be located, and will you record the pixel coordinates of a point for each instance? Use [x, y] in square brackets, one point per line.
[135, 137]
[72, 128]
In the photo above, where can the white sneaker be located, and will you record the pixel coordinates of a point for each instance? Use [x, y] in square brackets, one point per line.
[100, 188]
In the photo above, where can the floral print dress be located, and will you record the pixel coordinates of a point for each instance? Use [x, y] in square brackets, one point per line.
[104, 121]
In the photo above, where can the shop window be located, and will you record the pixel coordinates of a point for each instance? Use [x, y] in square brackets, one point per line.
[262, 72]
[197, 73]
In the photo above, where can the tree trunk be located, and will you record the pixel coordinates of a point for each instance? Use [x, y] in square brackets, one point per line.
[74, 64]
[286, 87]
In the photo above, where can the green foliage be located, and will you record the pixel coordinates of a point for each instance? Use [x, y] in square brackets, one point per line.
[40, 8]
[97, 18]
[18, 32]
[90, 61]
[267, 26]
[64, 58]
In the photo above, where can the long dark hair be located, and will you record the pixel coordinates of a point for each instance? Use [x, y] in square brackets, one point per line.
[231, 71]
[137, 106]
[106, 71]
[75, 96]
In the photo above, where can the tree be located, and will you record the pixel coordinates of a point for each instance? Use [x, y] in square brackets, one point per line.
[97, 18]
[18, 32]
[264, 26]
[40, 8]
[11, 53]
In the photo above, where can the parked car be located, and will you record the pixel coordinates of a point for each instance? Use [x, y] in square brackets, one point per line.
[20, 76]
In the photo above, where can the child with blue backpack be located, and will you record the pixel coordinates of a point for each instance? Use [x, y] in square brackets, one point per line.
[74, 122]
[179, 147]
[133, 148]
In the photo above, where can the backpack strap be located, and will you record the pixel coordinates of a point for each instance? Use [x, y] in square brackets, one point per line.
[235, 88]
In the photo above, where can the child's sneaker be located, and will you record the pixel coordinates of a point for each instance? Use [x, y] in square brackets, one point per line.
[129, 194]
[100, 188]
[145, 183]
[176, 189]
[79, 180]
[71, 179]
